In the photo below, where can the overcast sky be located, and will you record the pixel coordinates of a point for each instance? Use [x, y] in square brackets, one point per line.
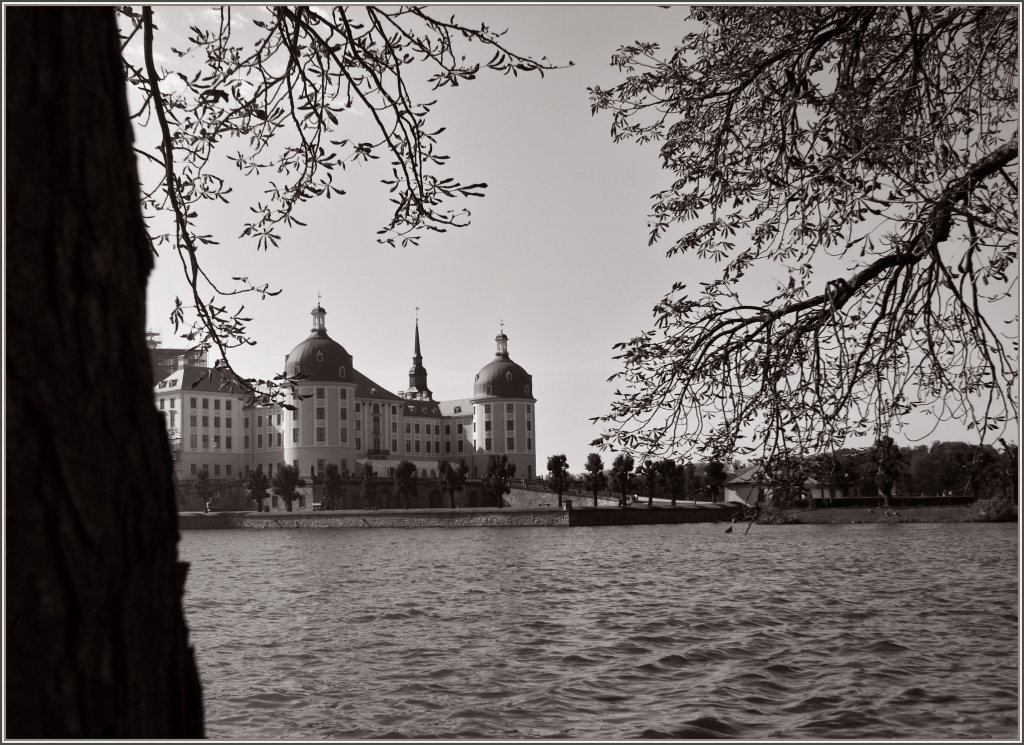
[557, 249]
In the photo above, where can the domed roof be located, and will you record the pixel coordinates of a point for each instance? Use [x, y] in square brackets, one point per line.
[501, 377]
[319, 357]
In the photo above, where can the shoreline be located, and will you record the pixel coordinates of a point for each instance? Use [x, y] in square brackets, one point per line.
[981, 512]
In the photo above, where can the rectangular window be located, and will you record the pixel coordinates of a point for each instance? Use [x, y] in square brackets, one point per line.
[487, 425]
[408, 446]
[529, 425]
[487, 444]
[259, 442]
[359, 426]
[192, 442]
[510, 426]
[487, 409]
[227, 469]
[259, 421]
[394, 411]
[447, 447]
[357, 406]
[437, 429]
[216, 442]
[394, 427]
[206, 442]
[417, 445]
[319, 394]
[227, 422]
[509, 408]
[161, 404]
[321, 434]
[320, 466]
[245, 442]
[460, 445]
[192, 468]
[321, 413]
[394, 444]
[344, 414]
[227, 406]
[245, 422]
[343, 395]
[216, 469]
[460, 428]
[279, 419]
[510, 443]
[216, 422]
[529, 443]
[172, 402]
[227, 442]
[295, 414]
[447, 429]
[416, 428]
[295, 435]
[344, 466]
[428, 446]
[192, 420]
[359, 444]
[206, 403]
[474, 428]
[528, 408]
[408, 428]
[206, 420]
[270, 469]
[192, 402]
[279, 439]
[216, 404]
[344, 435]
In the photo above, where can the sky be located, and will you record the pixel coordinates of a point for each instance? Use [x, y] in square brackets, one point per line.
[557, 251]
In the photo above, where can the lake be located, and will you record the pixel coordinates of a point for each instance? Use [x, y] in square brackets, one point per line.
[681, 631]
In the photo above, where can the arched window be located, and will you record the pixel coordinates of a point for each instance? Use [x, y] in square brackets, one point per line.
[489, 390]
[508, 376]
[319, 356]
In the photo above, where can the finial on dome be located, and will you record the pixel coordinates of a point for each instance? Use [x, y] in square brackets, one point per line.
[318, 314]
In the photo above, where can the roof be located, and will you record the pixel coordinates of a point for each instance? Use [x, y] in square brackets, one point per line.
[748, 475]
[320, 359]
[203, 379]
[421, 408]
[366, 388]
[503, 378]
[456, 407]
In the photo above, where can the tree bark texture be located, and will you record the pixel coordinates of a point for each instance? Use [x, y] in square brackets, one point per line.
[97, 645]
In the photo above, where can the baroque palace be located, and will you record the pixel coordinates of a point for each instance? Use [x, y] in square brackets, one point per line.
[344, 417]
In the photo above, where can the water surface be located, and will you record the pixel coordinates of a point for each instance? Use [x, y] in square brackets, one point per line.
[681, 631]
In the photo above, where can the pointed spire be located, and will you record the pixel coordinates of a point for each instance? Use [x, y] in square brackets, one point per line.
[418, 373]
[416, 356]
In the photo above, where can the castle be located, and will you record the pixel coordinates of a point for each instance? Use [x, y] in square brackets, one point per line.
[343, 417]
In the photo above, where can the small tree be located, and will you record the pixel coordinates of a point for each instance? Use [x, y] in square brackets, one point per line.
[647, 481]
[332, 488]
[693, 480]
[887, 461]
[286, 482]
[203, 489]
[368, 487]
[451, 478]
[498, 481]
[405, 482]
[257, 485]
[595, 479]
[715, 475]
[621, 476]
[558, 470]
[672, 477]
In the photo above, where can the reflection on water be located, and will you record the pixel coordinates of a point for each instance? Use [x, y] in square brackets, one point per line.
[681, 631]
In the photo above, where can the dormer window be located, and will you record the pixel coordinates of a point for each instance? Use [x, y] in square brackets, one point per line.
[508, 376]
[319, 356]
[489, 390]
[341, 371]
[298, 370]
[526, 390]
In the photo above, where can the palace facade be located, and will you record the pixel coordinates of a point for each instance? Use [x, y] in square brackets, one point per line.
[341, 416]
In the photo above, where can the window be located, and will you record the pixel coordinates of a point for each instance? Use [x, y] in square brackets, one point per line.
[510, 426]
[259, 421]
[192, 468]
[528, 408]
[245, 422]
[259, 442]
[206, 442]
[510, 408]
[417, 445]
[489, 390]
[270, 469]
[216, 404]
[227, 407]
[408, 444]
[206, 420]
[508, 376]
[428, 446]
[458, 409]
[460, 426]
[279, 439]
[319, 356]
[529, 443]
[227, 422]
[245, 442]
[394, 427]
[437, 429]
[216, 469]
[344, 466]
[295, 464]
[394, 411]
[161, 404]
[394, 444]
[320, 466]
[192, 420]
[206, 403]
[359, 426]
[320, 394]
[295, 435]
[172, 402]
[216, 422]
[487, 409]
[408, 428]
[526, 390]
[227, 470]
[357, 406]
[487, 444]
[359, 444]
[510, 443]
[460, 445]
[192, 442]
[321, 413]
[216, 442]
[447, 429]
[487, 426]
[279, 419]
[341, 373]
[474, 428]
[227, 442]
[416, 428]
[344, 413]
[344, 435]
[192, 402]
[321, 434]
[447, 447]
[529, 425]
[295, 414]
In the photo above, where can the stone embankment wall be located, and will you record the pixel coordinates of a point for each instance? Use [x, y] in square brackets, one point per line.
[656, 516]
[380, 519]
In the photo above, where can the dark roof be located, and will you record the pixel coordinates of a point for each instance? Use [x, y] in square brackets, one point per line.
[421, 408]
[206, 380]
[506, 379]
[320, 359]
[366, 388]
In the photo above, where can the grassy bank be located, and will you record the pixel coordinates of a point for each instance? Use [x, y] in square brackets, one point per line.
[985, 511]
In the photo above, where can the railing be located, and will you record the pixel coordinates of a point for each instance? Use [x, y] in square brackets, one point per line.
[378, 454]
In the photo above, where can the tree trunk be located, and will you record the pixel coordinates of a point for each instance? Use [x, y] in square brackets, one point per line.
[97, 645]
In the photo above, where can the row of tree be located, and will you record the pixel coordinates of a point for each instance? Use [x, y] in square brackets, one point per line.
[451, 478]
[944, 468]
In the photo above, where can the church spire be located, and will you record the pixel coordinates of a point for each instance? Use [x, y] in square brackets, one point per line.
[418, 373]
